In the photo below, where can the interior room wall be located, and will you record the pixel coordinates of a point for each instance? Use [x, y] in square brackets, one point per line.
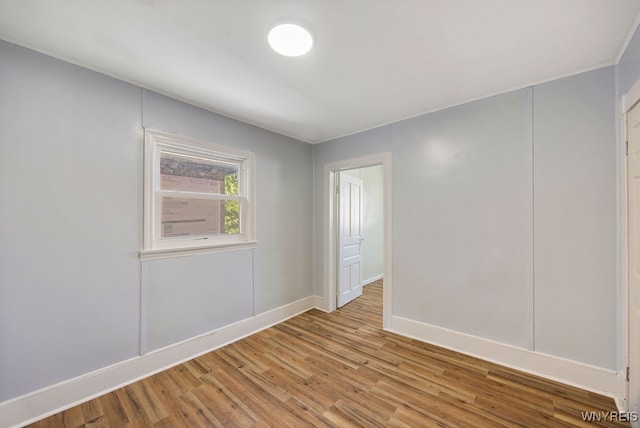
[464, 216]
[628, 69]
[71, 226]
[575, 218]
[192, 295]
[70, 221]
[373, 246]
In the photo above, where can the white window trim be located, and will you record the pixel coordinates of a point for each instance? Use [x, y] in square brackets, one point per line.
[153, 247]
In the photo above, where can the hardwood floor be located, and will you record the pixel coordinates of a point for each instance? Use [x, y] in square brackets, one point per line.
[339, 370]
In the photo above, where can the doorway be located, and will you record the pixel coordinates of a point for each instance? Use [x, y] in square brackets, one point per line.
[360, 223]
[333, 266]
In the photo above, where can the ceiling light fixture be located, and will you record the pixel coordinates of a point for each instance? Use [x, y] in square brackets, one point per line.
[290, 40]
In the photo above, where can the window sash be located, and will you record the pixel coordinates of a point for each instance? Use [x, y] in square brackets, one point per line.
[160, 223]
[197, 173]
[197, 195]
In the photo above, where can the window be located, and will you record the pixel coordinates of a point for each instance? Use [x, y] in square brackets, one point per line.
[198, 196]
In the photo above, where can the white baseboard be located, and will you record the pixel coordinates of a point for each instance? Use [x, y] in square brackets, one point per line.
[44, 402]
[372, 279]
[319, 303]
[585, 376]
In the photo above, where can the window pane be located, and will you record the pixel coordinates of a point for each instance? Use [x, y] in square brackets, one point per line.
[199, 217]
[190, 217]
[231, 217]
[231, 184]
[193, 174]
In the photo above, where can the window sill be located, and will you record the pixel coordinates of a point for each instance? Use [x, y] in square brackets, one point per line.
[169, 253]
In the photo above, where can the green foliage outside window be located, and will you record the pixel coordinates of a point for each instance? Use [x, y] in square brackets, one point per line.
[231, 208]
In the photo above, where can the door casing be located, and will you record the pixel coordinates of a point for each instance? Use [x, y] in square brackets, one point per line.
[331, 171]
[626, 103]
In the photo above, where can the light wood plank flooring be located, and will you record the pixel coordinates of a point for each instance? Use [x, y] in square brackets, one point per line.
[338, 370]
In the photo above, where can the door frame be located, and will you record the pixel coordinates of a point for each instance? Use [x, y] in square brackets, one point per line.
[626, 103]
[331, 230]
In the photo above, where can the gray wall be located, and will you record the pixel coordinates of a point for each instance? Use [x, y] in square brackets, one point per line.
[192, 295]
[372, 222]
[71, 225]
[70, 221]
[463, 216]
[575, 218]
[629, 66]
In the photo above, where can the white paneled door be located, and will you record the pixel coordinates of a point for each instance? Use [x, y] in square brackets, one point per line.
[633, 227]
[350, 240]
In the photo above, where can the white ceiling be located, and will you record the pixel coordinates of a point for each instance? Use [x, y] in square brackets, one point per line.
[373, 62]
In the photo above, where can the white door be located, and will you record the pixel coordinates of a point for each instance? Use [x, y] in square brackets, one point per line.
[350, 240]
[633, 230]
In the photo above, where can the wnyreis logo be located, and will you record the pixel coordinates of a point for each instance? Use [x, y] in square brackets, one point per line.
[610, 416]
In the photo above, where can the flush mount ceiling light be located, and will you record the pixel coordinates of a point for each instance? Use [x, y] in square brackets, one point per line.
[290, 40]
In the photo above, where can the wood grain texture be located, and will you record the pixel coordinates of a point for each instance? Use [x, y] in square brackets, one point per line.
[338, 370]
